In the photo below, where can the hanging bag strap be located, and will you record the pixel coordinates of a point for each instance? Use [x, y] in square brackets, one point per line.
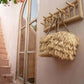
[57, 27]
[57, 24]
[65, 26]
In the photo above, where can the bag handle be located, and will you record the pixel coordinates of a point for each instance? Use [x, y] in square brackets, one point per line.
[57, 24]
[65, 26]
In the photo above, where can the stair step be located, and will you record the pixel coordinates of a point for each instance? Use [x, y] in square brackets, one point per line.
[4, 62]
[4, 70]
[3, 50]
[2, 46]
[1, 32]
[2, 56]
[4, 53]
[3, 81]
[8, 77]
[1, 37]
[2, 42]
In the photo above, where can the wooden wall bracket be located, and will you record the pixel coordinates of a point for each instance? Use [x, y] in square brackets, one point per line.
[71, 13]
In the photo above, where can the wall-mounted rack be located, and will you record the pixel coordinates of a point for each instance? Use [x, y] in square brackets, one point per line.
[71, 13]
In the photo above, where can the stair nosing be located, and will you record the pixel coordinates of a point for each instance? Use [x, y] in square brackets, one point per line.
[4, 59]
[4, 66]
[7, 74]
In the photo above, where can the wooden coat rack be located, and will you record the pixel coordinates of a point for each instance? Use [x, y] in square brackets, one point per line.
[71, 13]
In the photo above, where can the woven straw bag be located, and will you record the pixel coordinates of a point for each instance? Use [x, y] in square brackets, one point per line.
[60, 44]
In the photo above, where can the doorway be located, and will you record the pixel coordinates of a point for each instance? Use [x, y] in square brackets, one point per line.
[26, 50]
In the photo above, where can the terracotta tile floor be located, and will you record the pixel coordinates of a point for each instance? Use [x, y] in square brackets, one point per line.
[18, 82]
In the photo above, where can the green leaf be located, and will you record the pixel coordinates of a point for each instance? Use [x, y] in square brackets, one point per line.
[15, 1]
[6, 1]
[3, 1]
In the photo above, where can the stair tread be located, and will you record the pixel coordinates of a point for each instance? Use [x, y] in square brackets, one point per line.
[2, 47]
[2, 44]
[7, 75]
[7, 79]
[3, 56]
[4, 62]
[3, 50]
[4, 59]
[3, 53]
[4, 66]
[1, 32]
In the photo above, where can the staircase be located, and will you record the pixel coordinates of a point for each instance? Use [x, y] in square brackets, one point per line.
[5, 71]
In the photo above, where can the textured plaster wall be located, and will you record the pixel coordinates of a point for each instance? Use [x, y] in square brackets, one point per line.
[9, 21]
[53, 71]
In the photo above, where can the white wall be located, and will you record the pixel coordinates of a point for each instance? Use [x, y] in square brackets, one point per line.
[9, 20]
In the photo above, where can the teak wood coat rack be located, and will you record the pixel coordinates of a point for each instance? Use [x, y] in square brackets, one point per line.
[71, 13]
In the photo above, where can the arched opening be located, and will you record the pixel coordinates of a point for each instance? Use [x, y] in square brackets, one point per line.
[26, 51]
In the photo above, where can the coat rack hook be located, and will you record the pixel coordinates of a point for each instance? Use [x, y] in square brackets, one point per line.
[51, 14]
[54, 16]
[62, 11]
[43, 24]
[44, 17]
[69, 4]
[59, 10]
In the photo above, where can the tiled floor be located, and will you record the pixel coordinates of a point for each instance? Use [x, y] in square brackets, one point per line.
[18, 82]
